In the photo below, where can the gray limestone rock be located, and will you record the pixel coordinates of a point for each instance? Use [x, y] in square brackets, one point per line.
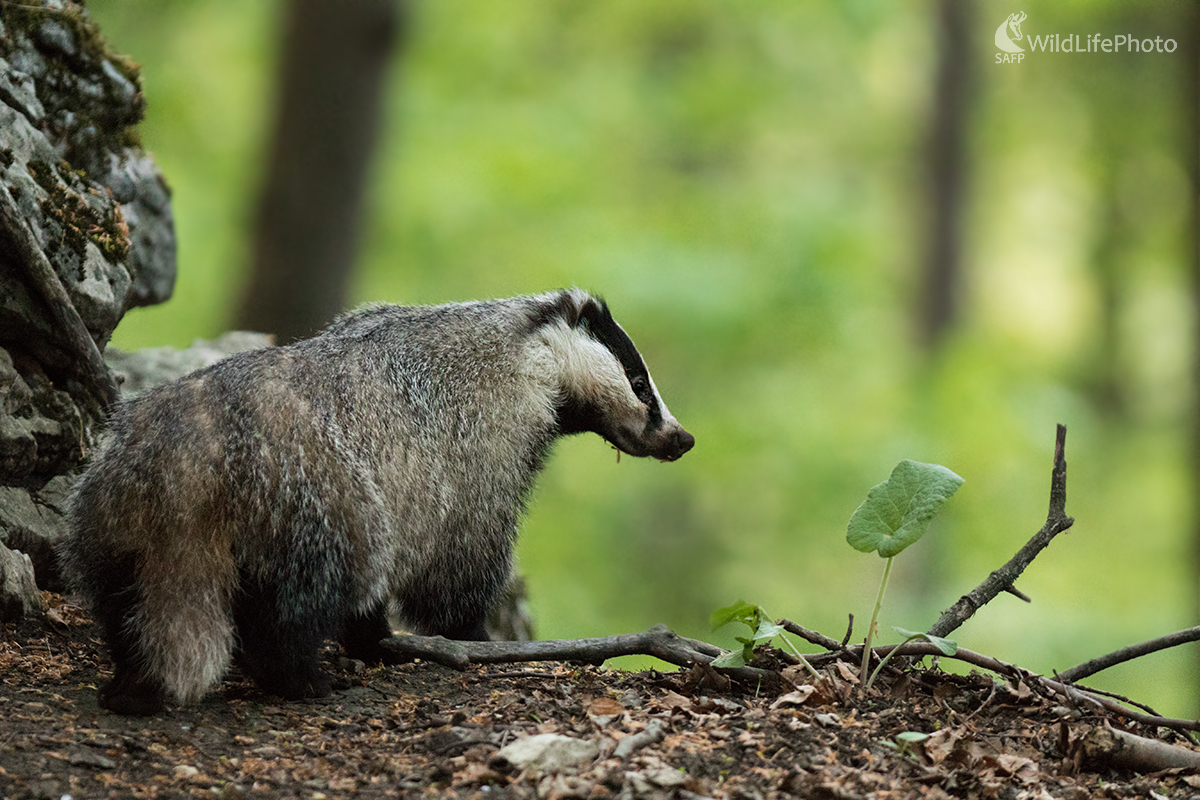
[78, 194]
[144, 369]
[32, 521]
[19, 595]
[86, 233]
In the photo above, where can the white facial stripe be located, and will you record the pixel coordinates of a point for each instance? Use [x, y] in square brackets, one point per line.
[599, 392]
[592, 372]
[668, 419]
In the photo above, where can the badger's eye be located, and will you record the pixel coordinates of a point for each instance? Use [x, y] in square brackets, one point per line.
[641, 388]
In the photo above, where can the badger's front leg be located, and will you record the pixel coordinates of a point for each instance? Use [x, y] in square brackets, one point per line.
[362, 633]
[472, 632]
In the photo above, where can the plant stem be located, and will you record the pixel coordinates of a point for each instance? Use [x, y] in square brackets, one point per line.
[866, 656]
[816, 676]
[887, 658]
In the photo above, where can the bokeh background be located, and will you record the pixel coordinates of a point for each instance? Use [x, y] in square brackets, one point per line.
[840, 233]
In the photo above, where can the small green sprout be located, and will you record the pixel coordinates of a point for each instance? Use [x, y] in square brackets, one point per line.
[947, 646]
[764, 628]
[905, 741]
[896, 514]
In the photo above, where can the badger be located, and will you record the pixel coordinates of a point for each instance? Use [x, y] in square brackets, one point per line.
[251, 510]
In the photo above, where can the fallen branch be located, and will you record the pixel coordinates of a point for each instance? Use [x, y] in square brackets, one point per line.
[1115, 748]
[1129, 653]
[1057, 521]
[659, 641]
[654, 733]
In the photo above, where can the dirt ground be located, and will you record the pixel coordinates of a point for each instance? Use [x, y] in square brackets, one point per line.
[425, 730]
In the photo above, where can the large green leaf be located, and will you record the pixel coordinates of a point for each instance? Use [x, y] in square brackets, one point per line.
[897, 512]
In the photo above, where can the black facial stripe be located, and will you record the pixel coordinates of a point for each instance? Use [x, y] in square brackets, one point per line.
[597, 319]
[560, 308]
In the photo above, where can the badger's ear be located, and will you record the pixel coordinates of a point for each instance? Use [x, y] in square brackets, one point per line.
[577, 308]
[594, 316]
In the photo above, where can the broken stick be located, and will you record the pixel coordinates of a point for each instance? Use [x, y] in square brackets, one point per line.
[1057, 521]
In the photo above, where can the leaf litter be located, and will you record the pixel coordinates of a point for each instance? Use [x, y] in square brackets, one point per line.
[422, 730]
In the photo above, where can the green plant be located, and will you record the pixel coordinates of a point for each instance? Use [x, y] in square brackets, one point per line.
[896, 514]
[905, 741]
[764, 630]
[947, 646]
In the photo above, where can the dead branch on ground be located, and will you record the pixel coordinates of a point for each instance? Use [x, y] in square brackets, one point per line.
[813, 637]
[659, 641]
[1116, 748]
[1074, 695]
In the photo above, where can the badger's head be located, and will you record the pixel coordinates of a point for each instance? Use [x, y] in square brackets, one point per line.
[604, 386]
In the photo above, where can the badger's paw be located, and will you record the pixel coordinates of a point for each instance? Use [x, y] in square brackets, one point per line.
[361, 636]
[132, 694]
[306, 687]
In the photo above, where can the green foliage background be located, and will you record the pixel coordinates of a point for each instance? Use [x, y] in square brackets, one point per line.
[743, 183]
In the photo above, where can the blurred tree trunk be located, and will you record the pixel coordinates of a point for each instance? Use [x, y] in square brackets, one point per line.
[940, 288]
[331, 83]
[1108, 380]
[946, 179]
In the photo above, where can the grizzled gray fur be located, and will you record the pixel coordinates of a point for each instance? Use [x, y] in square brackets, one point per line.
[283, 496]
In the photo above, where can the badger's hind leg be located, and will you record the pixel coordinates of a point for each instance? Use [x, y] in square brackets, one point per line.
[279, 647]
[132, 691]
[167, 628]
[296, 598]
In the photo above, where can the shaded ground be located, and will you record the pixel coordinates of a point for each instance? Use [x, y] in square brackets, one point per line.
[422, 729]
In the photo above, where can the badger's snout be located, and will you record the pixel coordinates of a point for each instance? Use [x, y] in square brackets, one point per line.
[665, 442]
[675, 444]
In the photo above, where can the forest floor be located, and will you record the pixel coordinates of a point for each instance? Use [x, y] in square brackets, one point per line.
[425, 730]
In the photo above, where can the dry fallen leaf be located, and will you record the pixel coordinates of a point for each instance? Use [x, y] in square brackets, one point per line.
[796, 698]
[604, 710]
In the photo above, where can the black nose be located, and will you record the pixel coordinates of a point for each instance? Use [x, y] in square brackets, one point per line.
[681, 442]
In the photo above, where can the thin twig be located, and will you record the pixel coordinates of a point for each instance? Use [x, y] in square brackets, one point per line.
[1057, 521]
[1048, 686]
[811, 636]
[991, 696]
[1017, 593]
[1128, 654]
[1118, 697]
